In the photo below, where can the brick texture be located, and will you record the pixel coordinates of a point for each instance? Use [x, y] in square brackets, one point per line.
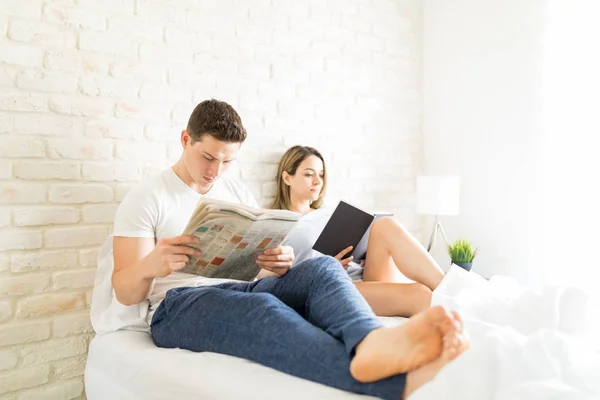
[94, 95]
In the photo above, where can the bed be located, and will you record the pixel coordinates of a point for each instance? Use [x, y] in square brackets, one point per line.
[127, 365]
[124, 363]
[527, 344]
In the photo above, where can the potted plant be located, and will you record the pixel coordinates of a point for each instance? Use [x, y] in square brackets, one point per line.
[462, 254]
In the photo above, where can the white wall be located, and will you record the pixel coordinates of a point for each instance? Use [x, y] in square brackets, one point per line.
[94, 94]
[496, 112]
[570, 162]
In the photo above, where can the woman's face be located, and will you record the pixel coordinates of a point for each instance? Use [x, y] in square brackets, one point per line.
[307, 183]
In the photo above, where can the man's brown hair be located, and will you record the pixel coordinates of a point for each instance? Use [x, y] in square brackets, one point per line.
[217, 119]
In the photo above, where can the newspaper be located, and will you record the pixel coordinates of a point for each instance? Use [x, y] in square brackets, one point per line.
[232, 236]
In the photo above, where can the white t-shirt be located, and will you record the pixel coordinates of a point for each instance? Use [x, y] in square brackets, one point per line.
[305, 234]
[161, 206]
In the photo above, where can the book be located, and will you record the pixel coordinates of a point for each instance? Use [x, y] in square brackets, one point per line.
[232, 236]
[347, 226]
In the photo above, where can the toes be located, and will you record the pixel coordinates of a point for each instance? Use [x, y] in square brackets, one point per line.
[459, 321]
[466, 341]
[448, 326]
[454, 345]
[452, 323]
[440, 313]
[448, 349]
[448, 322]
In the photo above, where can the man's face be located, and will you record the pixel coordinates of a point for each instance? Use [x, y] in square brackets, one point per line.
[207, 159]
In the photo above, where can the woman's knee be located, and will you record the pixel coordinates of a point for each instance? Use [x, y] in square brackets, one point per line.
[421, 295]
[387, 226]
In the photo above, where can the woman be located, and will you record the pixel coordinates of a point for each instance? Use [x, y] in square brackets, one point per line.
[392, 253]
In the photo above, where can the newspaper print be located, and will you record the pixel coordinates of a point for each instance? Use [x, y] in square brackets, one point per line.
[229, 247]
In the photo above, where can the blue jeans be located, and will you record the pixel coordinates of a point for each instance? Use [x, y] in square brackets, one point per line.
[306, 324]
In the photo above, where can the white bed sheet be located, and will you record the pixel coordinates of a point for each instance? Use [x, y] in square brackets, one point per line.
[528, 343]
[127, 365]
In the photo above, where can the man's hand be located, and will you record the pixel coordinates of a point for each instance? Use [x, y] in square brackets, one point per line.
[278, 260]
[171, 254]
[342, 260]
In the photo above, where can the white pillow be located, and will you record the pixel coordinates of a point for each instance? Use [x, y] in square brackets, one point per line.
[107, 314]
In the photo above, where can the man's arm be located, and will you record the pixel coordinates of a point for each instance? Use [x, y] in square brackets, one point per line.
[138, 261]
[131, 281]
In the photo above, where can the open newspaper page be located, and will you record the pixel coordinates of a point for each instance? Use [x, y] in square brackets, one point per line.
[232, 236]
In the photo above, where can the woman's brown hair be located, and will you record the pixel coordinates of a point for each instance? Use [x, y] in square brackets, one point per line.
[289, 163]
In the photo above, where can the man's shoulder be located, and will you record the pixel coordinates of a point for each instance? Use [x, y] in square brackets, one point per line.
[141, 208]
[151, 186]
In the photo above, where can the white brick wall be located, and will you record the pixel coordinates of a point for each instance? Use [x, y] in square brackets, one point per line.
[94, 94]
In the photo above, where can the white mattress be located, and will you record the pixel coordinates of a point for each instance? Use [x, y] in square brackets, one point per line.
[127, 365]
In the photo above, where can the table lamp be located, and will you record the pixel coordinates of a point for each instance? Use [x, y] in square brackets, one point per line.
[437, 196]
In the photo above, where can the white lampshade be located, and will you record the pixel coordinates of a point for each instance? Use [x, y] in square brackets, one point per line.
[438, 195]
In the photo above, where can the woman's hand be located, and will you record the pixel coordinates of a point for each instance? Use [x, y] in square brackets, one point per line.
[342, 260]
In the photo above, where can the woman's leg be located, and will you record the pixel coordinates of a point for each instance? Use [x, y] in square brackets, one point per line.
[395, 299]
[393, 250]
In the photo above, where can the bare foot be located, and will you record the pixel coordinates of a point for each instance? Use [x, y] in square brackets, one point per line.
[385, 352]
[454, 345]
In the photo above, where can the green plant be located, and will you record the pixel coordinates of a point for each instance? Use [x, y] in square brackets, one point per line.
[461, 251]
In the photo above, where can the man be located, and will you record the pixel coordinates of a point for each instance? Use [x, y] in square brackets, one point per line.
[309, 321]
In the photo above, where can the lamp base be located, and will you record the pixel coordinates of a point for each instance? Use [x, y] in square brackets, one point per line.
[437, 226]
